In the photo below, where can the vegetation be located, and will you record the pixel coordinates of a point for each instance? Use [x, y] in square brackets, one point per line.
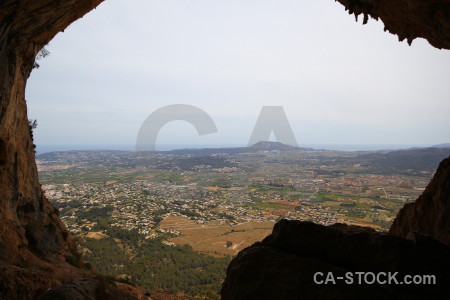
[153, 265]
[41, 54]
[216, 205]
[32, 125]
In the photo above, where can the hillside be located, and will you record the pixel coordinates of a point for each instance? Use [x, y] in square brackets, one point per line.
[260, 146]
[417, 159]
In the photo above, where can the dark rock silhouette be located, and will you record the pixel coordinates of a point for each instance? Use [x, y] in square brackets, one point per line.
[408, 19]
[283, 265]
[430, 213]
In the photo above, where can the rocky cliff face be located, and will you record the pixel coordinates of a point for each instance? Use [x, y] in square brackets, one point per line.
[408, 19]
[34, 243]
[284, 264]
[30, 229]
[430, 213]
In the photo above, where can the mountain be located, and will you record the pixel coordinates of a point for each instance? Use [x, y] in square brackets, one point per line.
[270, 146]
[415, 159]
[445, 145]
[260, 146]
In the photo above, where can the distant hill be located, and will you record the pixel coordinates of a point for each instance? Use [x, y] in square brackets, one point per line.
[446, 145]
[260, 146]
[415, 159]
[269, 146]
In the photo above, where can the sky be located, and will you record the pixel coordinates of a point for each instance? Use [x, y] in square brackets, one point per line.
[338, 81]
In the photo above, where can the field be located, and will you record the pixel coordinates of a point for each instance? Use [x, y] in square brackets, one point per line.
[214, 238]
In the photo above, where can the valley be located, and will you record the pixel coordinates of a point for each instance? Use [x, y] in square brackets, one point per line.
[212, 203]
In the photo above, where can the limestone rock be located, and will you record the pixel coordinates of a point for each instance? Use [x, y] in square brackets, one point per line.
[408, 19]
[283, 265]
[430, 213]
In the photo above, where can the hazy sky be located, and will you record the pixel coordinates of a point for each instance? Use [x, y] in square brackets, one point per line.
[339, 82]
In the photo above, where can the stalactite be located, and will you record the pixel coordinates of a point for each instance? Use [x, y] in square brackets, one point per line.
[409, 19]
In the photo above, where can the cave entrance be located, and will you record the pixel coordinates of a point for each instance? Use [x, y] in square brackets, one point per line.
[264, 57]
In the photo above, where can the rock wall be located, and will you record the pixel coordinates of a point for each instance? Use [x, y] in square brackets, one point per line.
[33, 241]
[30, 229]
[430, 213]
[283, 265]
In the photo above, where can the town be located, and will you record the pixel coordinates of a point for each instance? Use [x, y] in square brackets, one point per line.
[95, 190]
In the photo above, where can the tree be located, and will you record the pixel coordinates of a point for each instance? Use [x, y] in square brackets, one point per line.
[33, 123]
[41, 54]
